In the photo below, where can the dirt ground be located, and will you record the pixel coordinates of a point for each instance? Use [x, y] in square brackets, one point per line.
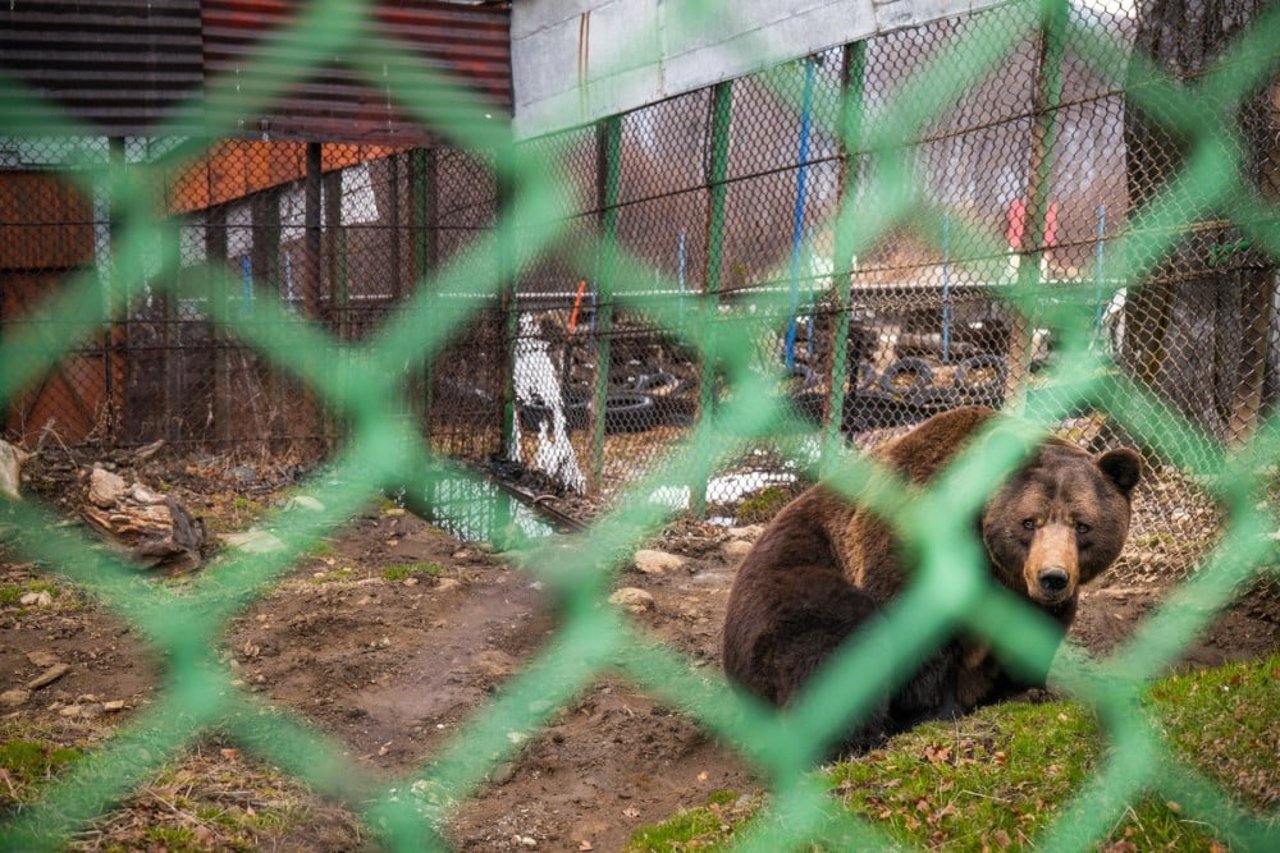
[392, 666]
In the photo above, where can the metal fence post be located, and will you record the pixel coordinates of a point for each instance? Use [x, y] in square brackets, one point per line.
[853, 62]
[110, 333]
[717, 192]
[608, 174]
[423, 198]
[394, 217]
[1047, 97]
[215, 247]
[266, 271]
[312, 219]
[508, 307]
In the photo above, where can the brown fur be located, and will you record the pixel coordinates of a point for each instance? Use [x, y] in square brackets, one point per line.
[824, 567]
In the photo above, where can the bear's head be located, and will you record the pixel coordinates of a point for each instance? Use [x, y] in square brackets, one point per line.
[1060, 520]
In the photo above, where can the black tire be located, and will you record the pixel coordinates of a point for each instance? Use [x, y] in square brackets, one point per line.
[969, 379]
[532, 414]
[865, 376]
[921, 383]
[808, 406]
[629, 411]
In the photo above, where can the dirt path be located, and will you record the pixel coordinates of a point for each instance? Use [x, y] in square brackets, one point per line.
[392, 667]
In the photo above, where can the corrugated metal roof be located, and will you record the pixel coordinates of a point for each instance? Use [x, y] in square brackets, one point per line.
[469, 41]
[122, 65]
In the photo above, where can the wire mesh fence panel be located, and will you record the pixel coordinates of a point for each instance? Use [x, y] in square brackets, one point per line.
[671, 310]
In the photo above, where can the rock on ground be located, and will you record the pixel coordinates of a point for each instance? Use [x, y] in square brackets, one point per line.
[657, 562]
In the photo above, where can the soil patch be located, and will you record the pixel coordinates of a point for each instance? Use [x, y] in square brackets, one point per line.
[395, 634]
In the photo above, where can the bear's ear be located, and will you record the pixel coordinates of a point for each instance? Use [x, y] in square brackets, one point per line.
[1122, 467]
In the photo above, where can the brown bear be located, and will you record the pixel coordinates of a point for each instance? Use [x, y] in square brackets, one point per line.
[824, 567]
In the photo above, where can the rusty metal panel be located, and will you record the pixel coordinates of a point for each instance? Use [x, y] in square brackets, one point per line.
[123, 65]
[472, 42]
[117, 65]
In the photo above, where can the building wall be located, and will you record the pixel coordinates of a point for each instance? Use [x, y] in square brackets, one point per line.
[627, 53]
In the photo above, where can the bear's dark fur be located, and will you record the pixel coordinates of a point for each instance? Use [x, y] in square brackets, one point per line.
[824, 567]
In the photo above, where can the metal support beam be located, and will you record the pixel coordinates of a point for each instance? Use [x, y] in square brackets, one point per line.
[608, 173]
[853, 63]
[717, 198]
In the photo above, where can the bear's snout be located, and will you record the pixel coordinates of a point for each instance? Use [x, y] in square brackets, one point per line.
[1053, 582]
[1052, 568]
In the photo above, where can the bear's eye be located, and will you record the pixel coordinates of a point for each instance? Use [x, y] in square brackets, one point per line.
[1081, 528]
[1029, 524]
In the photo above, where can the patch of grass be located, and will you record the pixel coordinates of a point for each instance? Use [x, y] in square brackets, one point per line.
[29, 763]
[11, 593]
[709, 827]
[320, 549]
[343, 575]
[1000, 776]
[177, 839]
[763, 505]
[217, 798]
[397, 573]
[1226, 721]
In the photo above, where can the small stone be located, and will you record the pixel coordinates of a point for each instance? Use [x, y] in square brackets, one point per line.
[105, 488]
[113, 705]
[446, 584]
[528, 842]
[751, 532]
[244, 473]
[141, 494]
[495, 663]
[36, 599]
[49, 676]
[70, 711]
[43, 658]
[410, 581]
[657, 562]
[635, 600]
[254, 541]
[14, 698]
[503, 773]
[306, 502]
[736, 549]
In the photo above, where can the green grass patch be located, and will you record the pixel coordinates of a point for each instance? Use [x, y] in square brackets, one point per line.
[397, 573]
[28, 763]
[999, 777]
[11, 593]
[343, 575]
[709, 827]
[320, 549]
[763, 505]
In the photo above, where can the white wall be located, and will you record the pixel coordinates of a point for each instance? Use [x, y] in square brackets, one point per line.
[628, 53]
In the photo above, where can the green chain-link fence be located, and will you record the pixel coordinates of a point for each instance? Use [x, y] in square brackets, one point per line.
[1207, 184]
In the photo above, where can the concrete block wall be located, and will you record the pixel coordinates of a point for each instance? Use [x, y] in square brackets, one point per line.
[575, 61]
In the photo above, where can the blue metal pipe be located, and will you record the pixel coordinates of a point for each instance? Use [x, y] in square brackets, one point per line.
[797, 223]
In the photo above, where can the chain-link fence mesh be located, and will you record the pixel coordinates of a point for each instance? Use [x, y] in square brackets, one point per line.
[1046, 208]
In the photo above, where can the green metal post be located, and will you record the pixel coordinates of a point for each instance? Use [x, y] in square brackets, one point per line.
[717, 171]
[422, 202]
[852, 84]
[508, 307]
[609, 157]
